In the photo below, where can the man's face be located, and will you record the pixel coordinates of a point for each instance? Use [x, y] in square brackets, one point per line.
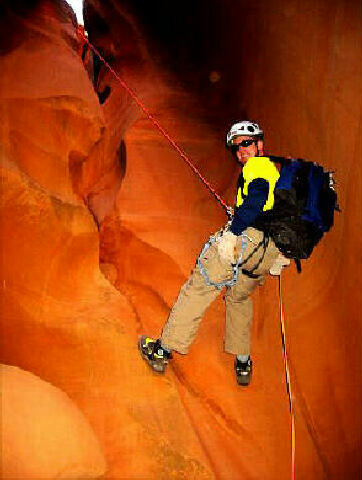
[255, 148]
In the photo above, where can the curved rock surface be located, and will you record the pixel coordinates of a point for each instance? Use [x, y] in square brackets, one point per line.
[44, 435]
[93, 191]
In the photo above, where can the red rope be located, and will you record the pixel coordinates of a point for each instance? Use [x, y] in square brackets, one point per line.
[287, 376]
[156, 123]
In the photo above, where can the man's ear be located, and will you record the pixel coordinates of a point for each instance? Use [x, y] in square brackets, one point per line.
[261, 147]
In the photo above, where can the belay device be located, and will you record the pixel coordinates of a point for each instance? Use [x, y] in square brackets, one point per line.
[304, 205]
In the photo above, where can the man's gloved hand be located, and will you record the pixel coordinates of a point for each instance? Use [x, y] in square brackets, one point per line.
[226, 247]
[279, 264]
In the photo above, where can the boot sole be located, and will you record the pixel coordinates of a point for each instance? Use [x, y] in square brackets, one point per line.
[243, 380]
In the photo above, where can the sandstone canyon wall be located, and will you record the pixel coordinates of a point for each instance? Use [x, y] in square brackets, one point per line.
[102, 220]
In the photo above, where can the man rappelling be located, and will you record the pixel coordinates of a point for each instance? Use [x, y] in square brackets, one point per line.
[280, 214]
[239, 252]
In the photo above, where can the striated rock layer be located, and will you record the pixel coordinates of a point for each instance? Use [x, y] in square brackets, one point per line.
[93, 195]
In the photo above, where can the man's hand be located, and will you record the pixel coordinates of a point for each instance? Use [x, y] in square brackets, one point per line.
[226, 247]
[278, 265]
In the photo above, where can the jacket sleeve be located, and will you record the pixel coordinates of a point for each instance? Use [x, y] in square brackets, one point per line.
[252, 206]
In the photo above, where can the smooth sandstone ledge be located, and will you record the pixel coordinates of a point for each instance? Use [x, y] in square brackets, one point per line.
[44, 434]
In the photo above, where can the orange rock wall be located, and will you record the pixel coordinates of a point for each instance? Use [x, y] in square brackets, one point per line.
[306, 91]
[43, 434]
[295, 68]
[52, 292]
[304, 86]
[83, 182]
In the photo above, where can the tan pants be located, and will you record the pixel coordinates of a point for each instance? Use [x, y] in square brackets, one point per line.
[195, 296]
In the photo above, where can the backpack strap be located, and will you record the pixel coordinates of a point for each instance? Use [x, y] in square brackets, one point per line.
[298, 265]
[263, 243]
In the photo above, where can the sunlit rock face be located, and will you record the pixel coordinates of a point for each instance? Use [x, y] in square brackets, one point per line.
[53, 294]
[94, 195]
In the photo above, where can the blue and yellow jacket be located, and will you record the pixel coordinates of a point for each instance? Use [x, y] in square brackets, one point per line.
[255, 192]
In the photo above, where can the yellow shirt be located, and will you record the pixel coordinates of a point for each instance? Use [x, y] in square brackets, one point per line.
[259, 167]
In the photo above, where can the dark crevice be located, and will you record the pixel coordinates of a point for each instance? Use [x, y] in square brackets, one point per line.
[103, 96]
[122, 157]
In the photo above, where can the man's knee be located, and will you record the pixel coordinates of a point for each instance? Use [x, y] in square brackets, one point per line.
[236, 297]
[241, 292]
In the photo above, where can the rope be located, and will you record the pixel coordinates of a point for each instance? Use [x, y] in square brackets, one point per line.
[157, 124]
[287, 376]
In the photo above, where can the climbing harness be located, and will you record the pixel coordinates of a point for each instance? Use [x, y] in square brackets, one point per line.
[235, 266]
[159, 127]
[213, 239]
[225, 283]
[287, 378]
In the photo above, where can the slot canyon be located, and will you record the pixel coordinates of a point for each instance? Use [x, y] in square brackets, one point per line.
[102, 220]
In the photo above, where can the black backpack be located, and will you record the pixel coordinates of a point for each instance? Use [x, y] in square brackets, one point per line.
[304, 205]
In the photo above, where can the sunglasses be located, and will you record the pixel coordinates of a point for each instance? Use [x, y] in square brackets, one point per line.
[246, 143]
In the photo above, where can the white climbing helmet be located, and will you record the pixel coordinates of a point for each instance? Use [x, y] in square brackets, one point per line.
[243, 128]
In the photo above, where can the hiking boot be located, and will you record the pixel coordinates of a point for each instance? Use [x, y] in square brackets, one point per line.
[154, 354]
[243, 371]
